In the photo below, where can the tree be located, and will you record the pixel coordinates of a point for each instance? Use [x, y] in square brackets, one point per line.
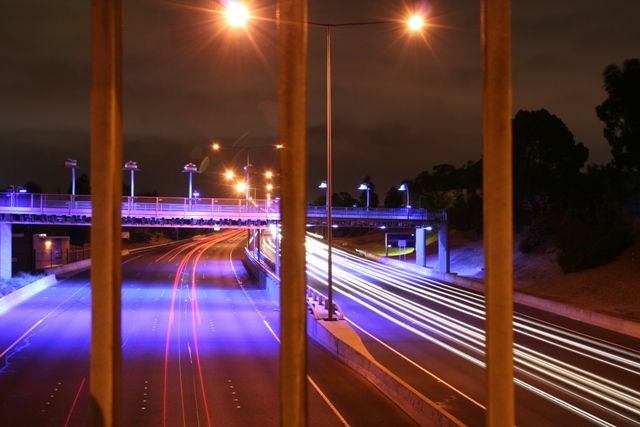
[343, 199]
[546, 163]
[620, 113]
[33, 187]
[83, 185]
[394, 198]
[319, 201]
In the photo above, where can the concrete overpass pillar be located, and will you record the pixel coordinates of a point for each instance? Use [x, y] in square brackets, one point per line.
[421, 247]
[5, 250]
[257, 236]
[444, 250]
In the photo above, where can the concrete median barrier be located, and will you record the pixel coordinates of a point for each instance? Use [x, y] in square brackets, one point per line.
[343, 342]
[14, 298]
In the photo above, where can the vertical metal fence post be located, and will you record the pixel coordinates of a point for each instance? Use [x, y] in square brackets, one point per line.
[292, 62]
[498, 206]
[106, 186]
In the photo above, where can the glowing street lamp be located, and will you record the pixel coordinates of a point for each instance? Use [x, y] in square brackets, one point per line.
[237, 14]
[248, 166]
[416, 22]
[133, 167]
[405, 187]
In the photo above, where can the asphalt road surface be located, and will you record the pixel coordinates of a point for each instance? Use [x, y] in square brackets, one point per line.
[199, 343]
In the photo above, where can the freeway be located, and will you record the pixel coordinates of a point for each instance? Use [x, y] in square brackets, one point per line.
[200, 346]
[431, 334]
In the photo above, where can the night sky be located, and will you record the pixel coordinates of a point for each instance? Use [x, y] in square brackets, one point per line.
[402, 102]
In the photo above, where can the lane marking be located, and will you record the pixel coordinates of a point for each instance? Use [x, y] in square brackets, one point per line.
[440, 380]
[75, 401]
[41, 320]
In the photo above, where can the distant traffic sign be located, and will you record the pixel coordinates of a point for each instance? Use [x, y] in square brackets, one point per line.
[400, 240]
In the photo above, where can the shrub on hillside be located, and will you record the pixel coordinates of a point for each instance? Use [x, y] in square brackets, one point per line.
[584, 246]
[529, 243]
[21, 280]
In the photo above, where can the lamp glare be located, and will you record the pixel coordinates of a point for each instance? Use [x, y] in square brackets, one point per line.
[237, 14]
[416, 22]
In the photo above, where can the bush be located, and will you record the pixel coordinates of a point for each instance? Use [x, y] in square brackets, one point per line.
[584, 246]
[17, 282]
[530, 243]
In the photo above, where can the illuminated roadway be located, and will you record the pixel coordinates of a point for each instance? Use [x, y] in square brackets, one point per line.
[432, 335]
[200, 348]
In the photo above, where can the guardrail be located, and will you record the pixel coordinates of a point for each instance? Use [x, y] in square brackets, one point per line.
[317, 304]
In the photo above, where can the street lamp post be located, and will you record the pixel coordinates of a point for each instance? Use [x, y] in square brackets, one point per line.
[73, 165]
[415, 23]
[324, 186]
[405, 187]
[365, 186]
[248, 168]
[190, 168]
[133, 167]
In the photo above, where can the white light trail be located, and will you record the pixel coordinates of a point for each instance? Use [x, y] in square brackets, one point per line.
[404, 298]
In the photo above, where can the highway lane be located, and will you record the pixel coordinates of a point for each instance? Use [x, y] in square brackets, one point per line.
[431, 335]
[200, 347]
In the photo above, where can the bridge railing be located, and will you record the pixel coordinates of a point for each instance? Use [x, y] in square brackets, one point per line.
[373, 213]
[67, 204]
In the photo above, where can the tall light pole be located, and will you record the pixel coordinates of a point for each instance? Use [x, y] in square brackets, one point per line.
[133, 167]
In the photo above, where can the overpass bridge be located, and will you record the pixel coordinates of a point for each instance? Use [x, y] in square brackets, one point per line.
[67, 209]
[24, 208]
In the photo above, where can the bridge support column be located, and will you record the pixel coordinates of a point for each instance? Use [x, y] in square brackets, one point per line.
[421, 247]
[5, 250]
[257, 236]
[444, 251]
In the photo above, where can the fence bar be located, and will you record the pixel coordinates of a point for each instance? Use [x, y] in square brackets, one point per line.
[292, 45]
[106, 183]
[498, 206]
